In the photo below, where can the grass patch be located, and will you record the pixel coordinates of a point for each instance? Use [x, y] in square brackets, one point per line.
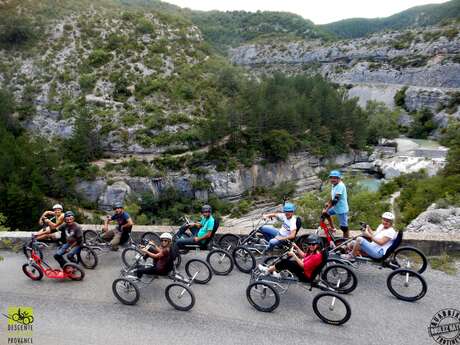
[445, 263]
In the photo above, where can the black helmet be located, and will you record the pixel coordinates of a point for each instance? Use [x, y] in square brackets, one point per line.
[206, 208]
[117, 205]
[313, 239]
[69, 214]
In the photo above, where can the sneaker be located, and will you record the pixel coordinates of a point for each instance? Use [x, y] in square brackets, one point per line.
[276, 274]
[348, 257]
[262, 268]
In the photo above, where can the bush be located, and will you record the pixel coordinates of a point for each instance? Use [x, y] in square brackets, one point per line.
[400, 98]
[144, 26]
[277, 144]
[87, 82]
[16, 31]
[99, 57]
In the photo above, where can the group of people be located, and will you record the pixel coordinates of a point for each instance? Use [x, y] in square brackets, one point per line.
[300, 261]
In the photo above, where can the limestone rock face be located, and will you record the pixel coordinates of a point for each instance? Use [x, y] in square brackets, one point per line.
[117, 192]
[437, 220]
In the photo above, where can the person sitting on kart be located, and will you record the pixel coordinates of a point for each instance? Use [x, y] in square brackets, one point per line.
[162, 258]
[121, 233]
[50, 224]
[374, 244]
[338, 205]
[201, 230]
[276, 237]
[299, 263]
[73, 235]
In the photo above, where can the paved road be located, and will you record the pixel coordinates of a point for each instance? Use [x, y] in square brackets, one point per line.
[86, 313]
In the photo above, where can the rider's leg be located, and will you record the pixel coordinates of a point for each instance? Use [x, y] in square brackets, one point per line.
[273, 243]
[370, 248]
[182, 230]
[289, 265]
[59, 254]
[328, 215]
[108, 235]
[125, 235]
[343, 221]
[268, 231]
[115, 240]
[182, 242]
[140, 271]
[43, 234]
[71, 255]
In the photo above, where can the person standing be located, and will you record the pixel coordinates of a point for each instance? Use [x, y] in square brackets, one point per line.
[338, 205]
[124, 226]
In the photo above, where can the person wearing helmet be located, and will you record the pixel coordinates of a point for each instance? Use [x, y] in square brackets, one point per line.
[73, 236]
[300, 263]
[338, 205]
[124, 226]
[161, 255]
[274, 236]
[375, 243]
[201, 230]
[50, 222]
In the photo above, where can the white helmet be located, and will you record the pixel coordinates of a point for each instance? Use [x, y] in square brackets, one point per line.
[58, 206]
[389, 216]
[166, 236]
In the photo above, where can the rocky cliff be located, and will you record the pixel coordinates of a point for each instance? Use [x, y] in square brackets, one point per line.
[425, 61]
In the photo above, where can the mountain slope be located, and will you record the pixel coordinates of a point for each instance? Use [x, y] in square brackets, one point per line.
[416, 16]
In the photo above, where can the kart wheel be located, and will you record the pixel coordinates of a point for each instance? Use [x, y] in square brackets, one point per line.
[198, 270]
[87, 257]
[27, 250]
[220, 261]
[32, 271]
[90, 237]
[406, 285]
[410, 258]
[331, 308]
[151, 236]
[125, 291]
[131, 256]
[244, 259]
[181, 297]
[229, 242]
[263, 296]
[340, 278]
[74, 272]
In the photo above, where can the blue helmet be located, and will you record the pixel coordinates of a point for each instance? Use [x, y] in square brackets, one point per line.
[288, 207]
[335, 173]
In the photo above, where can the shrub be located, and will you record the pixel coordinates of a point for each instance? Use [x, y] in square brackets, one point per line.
[87, 82]
[400, 98]
[16, 31]
[99, 57]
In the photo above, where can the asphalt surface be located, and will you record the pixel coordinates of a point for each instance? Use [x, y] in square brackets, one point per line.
[87, 313]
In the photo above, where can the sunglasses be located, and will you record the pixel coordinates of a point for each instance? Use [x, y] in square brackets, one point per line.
[164, 240]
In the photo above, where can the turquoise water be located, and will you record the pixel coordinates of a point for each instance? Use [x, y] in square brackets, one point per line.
[426, 143]
[371, 184]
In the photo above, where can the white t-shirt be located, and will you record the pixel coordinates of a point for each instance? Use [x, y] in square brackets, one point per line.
[380, 233]
[288, 225]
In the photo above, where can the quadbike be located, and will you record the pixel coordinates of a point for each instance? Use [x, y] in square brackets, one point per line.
[408, 263]
[219, 260]
[264, 290]
[244, 249]
[36, 267]
[22, 317]
[178, 293]
[85, 256]
[97, 245]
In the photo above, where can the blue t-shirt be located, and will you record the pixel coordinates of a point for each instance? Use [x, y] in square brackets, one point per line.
[207, 224]
[121, 218]
[342, 205]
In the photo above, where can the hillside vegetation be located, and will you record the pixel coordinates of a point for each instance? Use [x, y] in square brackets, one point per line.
[413, 17]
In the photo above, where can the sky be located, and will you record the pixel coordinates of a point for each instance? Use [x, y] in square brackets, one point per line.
[318, 11]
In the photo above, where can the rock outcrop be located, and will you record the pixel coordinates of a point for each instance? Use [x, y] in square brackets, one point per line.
[437, 220]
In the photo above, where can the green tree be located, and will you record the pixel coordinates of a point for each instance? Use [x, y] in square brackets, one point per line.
[84, 144]
[383, 123]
